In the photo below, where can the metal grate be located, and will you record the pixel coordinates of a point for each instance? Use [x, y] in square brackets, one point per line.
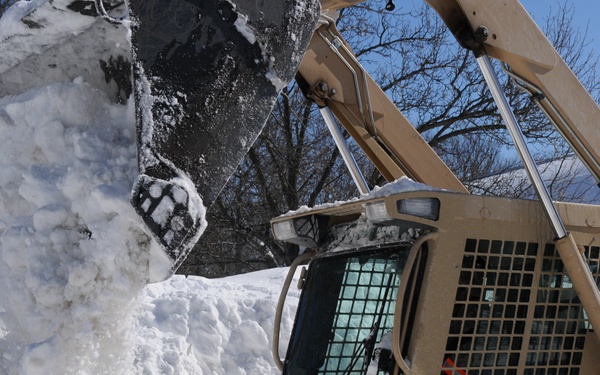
[346, 312]
[366, 299]
[511, 318]
[557, 335]
[489, 316]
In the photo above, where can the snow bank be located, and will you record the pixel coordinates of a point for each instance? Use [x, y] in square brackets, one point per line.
[74, 257]
[202, 326]
[73, 254]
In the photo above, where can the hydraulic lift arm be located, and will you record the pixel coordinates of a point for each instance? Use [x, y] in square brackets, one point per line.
[331, 75]
[507, 32]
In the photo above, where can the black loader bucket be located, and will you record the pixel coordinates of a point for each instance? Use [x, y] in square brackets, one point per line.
[207, 74]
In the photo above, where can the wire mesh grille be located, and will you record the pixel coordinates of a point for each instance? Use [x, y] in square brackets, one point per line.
[366, 299]
[557, 335]
[515, 312]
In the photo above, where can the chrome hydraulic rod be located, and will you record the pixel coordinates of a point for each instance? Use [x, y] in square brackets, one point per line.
[519, 140]
[573, 260]
[341, 144]
[557, 119]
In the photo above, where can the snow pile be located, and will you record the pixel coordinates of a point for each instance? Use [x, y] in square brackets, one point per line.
[73, 254]
[222, 326]
[74, 257]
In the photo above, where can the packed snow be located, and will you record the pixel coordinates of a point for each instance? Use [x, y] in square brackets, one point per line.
[202, 326]
[74, 257]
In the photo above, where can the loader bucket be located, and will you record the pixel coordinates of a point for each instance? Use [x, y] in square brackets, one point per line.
[207, 74]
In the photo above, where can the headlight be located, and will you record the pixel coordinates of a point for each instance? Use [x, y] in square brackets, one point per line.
[426, 208]
[284, 230]
[304, 231]
[377, 212]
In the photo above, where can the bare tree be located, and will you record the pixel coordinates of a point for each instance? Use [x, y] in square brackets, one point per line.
[293, 163]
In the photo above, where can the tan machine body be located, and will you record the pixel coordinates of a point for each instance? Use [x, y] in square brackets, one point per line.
[494, 293]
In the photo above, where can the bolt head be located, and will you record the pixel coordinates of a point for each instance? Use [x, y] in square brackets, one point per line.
[483, 32]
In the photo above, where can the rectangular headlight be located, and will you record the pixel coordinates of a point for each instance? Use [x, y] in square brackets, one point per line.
[284, 230]
[377, 212]
[304, 231]
[426, 208]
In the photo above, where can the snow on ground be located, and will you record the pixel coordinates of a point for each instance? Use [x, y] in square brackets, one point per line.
[203, 326]
[74, 257]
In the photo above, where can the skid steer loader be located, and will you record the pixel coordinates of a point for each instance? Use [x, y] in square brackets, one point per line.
[418, 277]
[427, 279]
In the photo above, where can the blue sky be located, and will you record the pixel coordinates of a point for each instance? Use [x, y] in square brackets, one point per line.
[586, 14]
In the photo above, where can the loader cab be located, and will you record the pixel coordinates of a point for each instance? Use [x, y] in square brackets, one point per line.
[347, 309]
[433, 282]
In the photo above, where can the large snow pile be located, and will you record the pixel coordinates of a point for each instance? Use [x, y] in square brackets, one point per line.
[71, 260]
[74, 257]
